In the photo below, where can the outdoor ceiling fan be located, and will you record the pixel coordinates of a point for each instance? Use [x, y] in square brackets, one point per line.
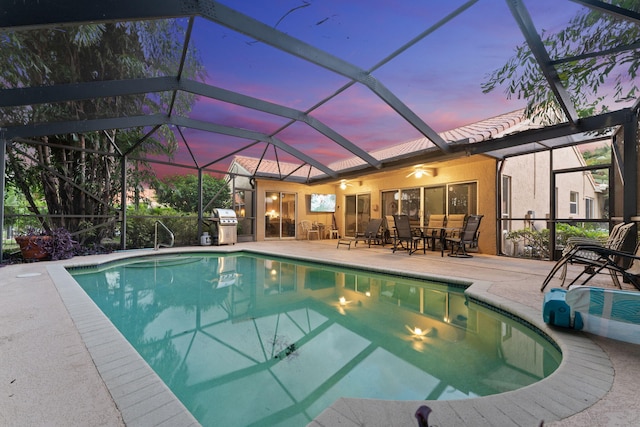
[419, 171]
[344, 184]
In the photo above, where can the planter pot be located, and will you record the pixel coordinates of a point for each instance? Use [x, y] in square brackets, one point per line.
[32, 247]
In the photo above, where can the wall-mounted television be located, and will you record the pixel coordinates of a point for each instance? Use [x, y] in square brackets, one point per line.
[323, 203]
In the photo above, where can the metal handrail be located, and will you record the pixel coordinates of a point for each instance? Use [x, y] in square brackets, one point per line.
[157, 245]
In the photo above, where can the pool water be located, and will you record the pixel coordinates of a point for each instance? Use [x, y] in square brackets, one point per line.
[247, 340]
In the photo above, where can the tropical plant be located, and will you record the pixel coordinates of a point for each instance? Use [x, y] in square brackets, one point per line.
[583, 76]
[538, 240]
[141, 226]
[79, 174]
[61, 244]
[181, 192]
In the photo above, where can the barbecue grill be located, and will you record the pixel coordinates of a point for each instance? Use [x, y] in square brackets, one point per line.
[227, 226]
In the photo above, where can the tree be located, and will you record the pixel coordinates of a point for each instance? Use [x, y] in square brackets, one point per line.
[587, 32]
[181, 192]
[79, 182]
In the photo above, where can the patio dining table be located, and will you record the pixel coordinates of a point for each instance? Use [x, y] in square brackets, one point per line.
[436, 234]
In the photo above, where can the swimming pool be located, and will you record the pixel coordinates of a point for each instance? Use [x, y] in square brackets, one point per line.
[225, 330]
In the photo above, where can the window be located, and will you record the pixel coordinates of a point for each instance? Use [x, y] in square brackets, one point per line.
[462, 198]
[434, 201]
[588, 208]
[389, 202]
[410, 203]
[506, 197]
[505, 207]
[573, 203]
[444, 199]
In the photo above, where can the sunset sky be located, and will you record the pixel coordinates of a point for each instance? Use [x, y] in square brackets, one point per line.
[439, 77]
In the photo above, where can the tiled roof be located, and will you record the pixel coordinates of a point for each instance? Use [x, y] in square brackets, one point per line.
[273, 168]
[475, 132]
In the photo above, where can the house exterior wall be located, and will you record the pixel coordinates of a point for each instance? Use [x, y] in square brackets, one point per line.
[479, 169]
[530, 192]
[302, 193]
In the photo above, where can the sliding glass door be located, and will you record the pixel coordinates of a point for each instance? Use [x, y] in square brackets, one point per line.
[357, 213]
[280, 215]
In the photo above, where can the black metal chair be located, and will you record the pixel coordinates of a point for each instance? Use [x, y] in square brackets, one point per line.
[372, 234]
[615, 262]
[435, 229]
[467, 238]
[404, 234]
[579, 251]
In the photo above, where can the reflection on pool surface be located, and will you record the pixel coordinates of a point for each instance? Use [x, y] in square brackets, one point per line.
[247, 340]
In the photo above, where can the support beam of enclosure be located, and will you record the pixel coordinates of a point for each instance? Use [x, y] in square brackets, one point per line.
[522, 17]
[589, 124]
[78, 91]
[247, 134]
[630, 168]
[36, 15]
[30, 14]
[3, 165]
[243, 24]
[611, 9]
[156, 119]
[278, 110]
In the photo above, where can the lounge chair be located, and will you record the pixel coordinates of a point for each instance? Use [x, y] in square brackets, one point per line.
[577, 251]
[467, 238]
[404, 234]
[372, 233]
[616, 239]
[615, 262]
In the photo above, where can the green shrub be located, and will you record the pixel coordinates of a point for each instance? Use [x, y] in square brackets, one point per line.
[141, 227]
[538, 240]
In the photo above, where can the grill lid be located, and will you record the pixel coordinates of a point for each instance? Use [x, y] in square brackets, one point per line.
[224, 213]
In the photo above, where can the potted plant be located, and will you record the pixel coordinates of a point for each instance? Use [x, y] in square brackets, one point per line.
[54, 244]
[32, 244]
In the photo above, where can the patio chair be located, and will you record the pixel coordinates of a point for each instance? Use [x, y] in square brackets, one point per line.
[455, 224]
[373, 233]
[577, 251]
[391, 226]
[404, 234]
[435, 229]
[468, 237]
[615, 262]
[308, 229]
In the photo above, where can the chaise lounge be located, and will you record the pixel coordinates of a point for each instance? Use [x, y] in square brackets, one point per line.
[372, 234]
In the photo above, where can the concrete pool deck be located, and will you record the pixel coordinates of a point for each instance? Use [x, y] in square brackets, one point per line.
[62, 363]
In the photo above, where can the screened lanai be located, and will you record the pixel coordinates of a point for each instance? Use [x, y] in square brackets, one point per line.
[320, 85]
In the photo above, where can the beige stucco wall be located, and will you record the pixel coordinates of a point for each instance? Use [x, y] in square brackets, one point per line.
[480, 169]
[302, 193]
[530, 190]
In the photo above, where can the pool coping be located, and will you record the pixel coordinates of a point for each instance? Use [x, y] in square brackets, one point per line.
[584, 376]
